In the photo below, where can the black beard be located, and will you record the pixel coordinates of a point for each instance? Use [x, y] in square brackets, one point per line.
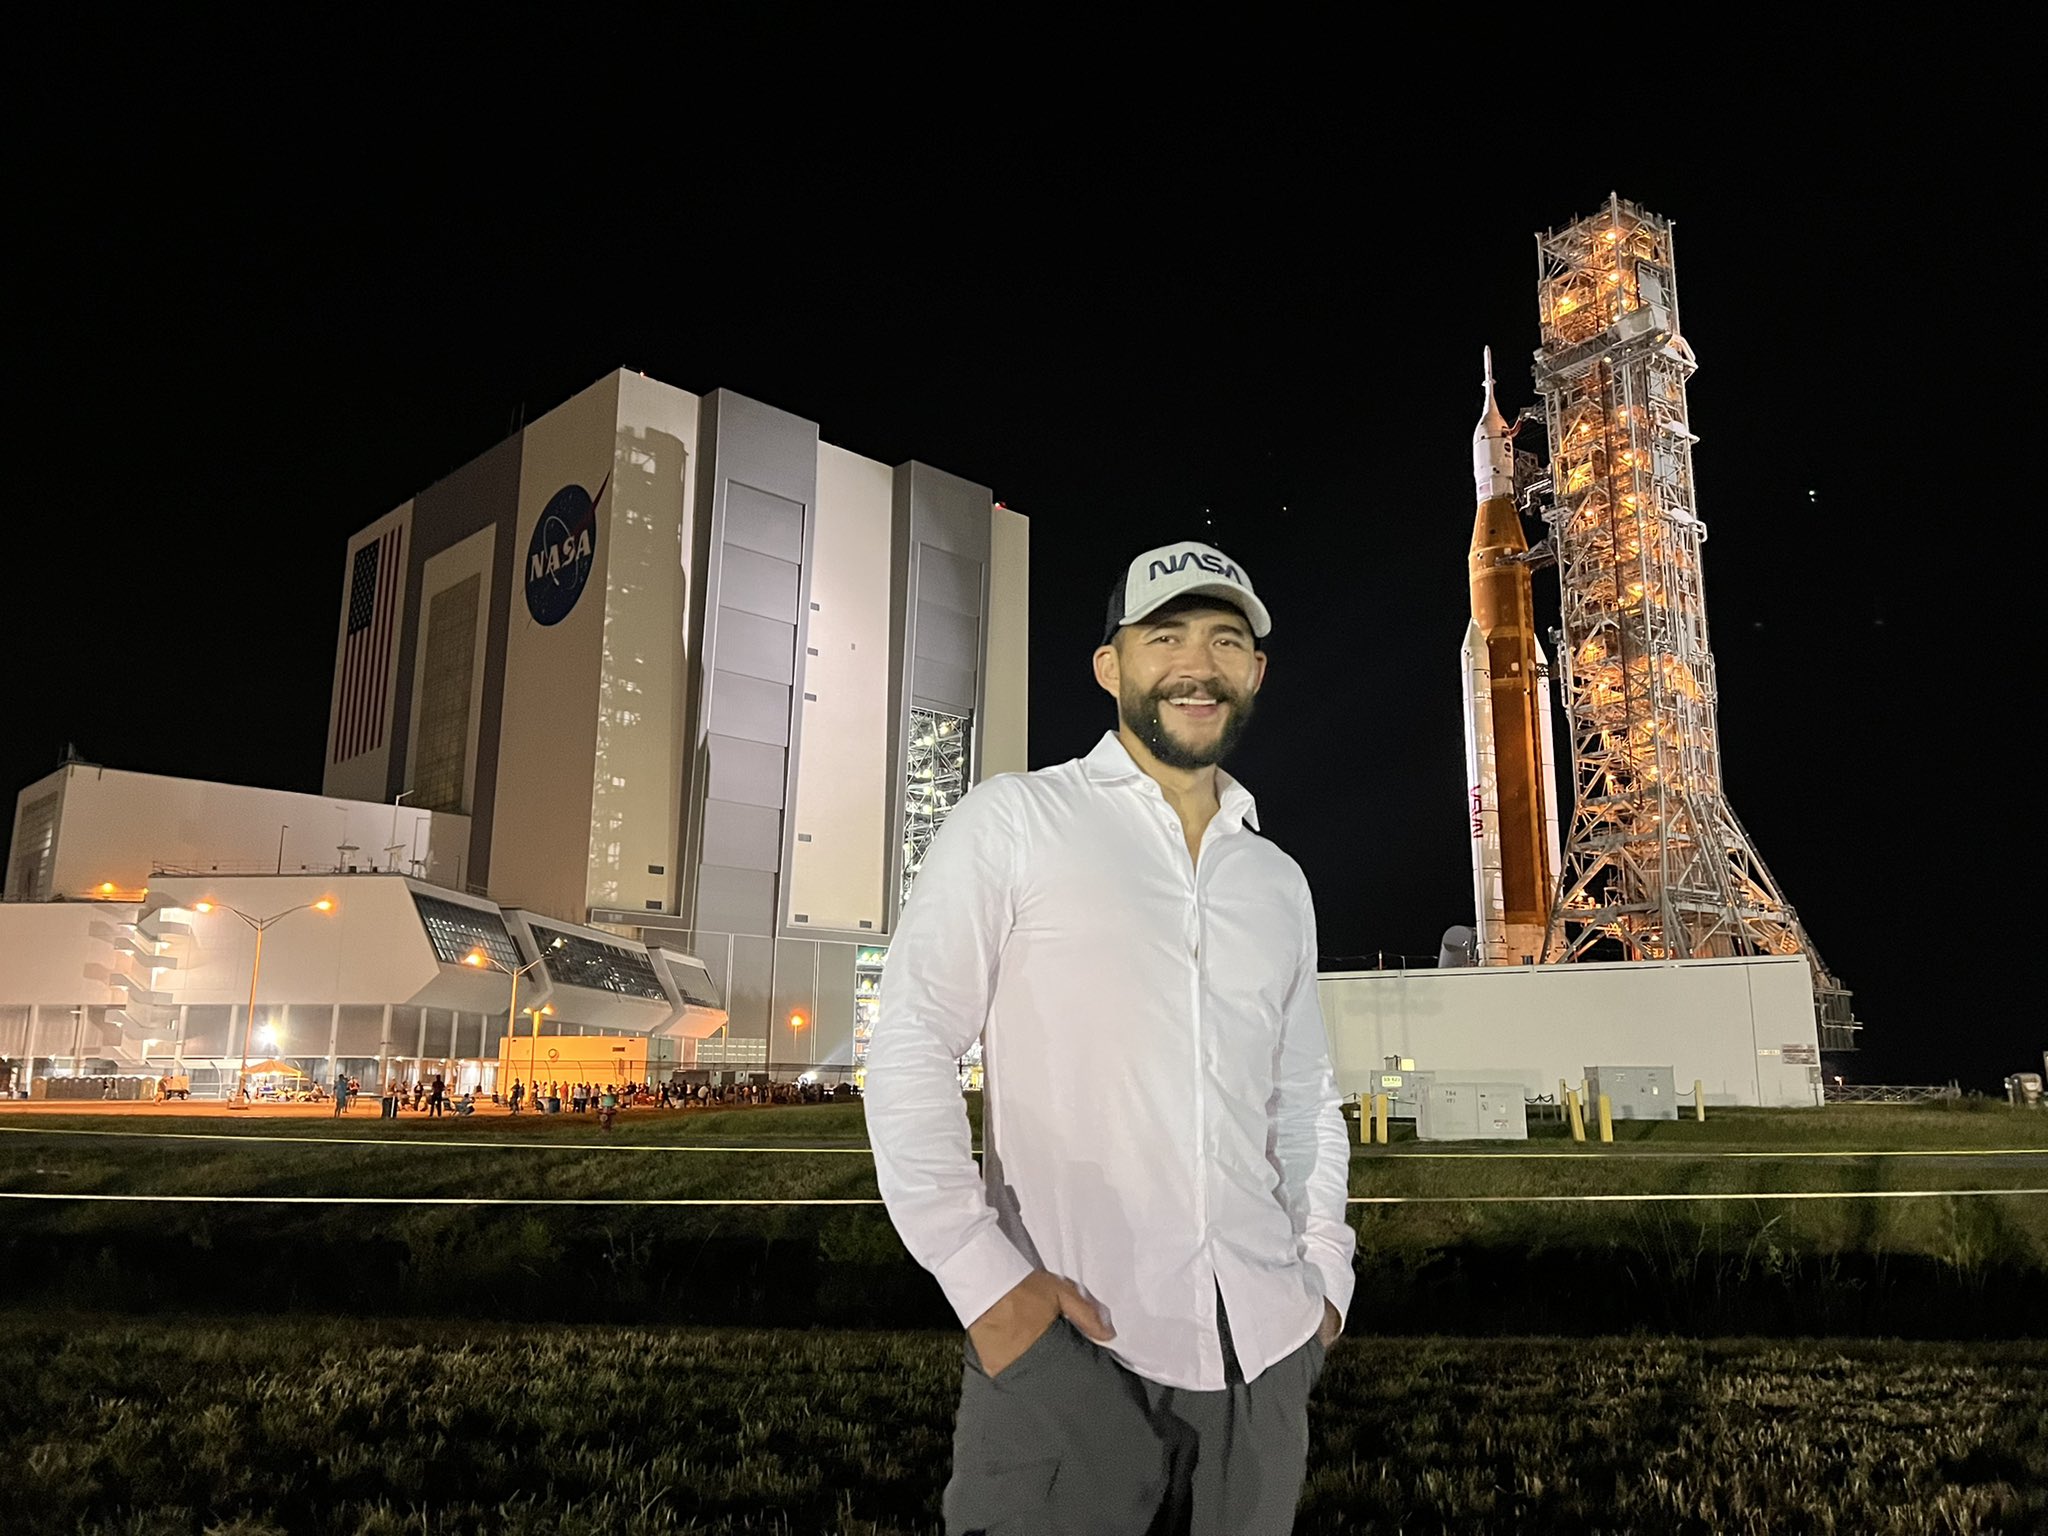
[1141, 713]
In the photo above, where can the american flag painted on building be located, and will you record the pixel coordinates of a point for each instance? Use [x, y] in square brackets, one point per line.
[374, 575]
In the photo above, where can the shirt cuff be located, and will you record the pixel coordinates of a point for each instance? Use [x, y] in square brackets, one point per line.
[985, 1270]
[1339, 1281]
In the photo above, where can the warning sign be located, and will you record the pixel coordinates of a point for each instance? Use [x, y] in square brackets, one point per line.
[1801, 1055]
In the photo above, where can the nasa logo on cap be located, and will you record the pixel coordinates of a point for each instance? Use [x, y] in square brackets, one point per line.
[1186, 569]
[558, 559]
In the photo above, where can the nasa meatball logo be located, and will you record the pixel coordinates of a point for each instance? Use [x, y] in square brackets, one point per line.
[559, 558]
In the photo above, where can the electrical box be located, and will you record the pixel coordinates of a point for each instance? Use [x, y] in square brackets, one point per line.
[1633, 1093]
[1471, 1112]
[1403, 1088]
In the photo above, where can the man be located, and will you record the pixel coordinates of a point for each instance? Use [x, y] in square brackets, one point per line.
[1153, 1260]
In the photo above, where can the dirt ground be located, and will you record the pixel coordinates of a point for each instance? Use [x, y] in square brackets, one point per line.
[360, 1108]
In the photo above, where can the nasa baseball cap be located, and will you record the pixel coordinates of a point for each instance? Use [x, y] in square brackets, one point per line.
[1186, 569]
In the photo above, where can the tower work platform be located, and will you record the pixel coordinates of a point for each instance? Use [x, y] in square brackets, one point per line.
[1655, 864]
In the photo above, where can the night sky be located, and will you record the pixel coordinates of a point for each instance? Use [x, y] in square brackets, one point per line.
[254, 320]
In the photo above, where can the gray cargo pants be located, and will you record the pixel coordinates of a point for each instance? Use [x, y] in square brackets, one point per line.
[1067, 1442]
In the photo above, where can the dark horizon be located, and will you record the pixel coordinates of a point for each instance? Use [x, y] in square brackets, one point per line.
[244, 355]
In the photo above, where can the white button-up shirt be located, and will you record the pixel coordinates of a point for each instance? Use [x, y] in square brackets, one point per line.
[1160, 1119]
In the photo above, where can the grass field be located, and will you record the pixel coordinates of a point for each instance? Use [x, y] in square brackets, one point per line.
[316, 1426]
[1474, 1246]
[320, 1367]
[1944, 1126]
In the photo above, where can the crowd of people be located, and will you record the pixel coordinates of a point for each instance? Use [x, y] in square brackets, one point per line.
[433, 1097]
[580, 1098]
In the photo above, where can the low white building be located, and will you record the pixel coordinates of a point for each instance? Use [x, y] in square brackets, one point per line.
[362, 973]
[88, 831]
[1744, 1028]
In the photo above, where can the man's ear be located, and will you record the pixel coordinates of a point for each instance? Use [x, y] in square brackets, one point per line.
[1259, 676]
[1109, 671]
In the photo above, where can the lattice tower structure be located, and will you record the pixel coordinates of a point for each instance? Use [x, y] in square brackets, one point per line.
[941, 748]
[1655, 863]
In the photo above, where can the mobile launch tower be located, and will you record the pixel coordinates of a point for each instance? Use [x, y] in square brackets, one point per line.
[1655, 864]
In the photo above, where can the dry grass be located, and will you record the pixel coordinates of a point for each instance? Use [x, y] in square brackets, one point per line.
[330, 1427]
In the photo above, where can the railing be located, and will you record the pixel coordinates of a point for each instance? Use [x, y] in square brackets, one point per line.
[1890, 1093]
[204, 871]
[1379, 960]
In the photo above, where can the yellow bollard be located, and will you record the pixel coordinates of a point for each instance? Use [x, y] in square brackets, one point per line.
[1571, 1104]
[1381, 1111]
[1606, 1119]
[1699, 1101]
[1364, 1123]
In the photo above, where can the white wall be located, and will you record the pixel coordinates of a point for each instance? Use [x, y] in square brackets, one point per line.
[839, 877]
[363, 777]
[370, 948]
[1725, 1022]
[114, 825]
[636, 796]
[54, 953]
[1006, 694]
[540, 828]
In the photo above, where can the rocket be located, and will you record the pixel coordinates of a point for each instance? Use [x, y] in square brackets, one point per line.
[1510, 759]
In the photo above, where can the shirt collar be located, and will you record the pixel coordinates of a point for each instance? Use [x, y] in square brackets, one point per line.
[1112, 762]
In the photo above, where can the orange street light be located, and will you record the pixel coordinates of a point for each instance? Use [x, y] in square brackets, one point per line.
[260, 925]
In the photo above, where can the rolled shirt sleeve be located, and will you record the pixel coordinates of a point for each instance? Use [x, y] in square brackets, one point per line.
[936, 987]
[1310, 1148]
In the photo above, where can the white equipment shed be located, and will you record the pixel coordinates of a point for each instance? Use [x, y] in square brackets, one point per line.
[1744, 1027]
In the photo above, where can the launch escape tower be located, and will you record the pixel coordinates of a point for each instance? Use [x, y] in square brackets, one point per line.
[1655, 864]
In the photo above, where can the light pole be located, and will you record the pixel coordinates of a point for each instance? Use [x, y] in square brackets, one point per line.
[395, 844]
[260, 925]
[796, 1022]
[481, 961]
[533, 1042]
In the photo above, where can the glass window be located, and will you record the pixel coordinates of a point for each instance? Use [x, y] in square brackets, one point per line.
[456, 930]
[584, 962]
[695, 983]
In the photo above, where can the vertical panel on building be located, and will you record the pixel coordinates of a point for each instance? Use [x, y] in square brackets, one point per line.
[832, 1028]
[31, 865]
[448, 675]
[366, 652]
[1006, 695]
[749, 988]
[636, 793]
[463, 524]
[547, 736]
[757, 471]
[792, 1036]
[839, 862]
[942, 538]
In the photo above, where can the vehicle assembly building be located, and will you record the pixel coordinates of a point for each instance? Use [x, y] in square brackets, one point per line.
[665, 671]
